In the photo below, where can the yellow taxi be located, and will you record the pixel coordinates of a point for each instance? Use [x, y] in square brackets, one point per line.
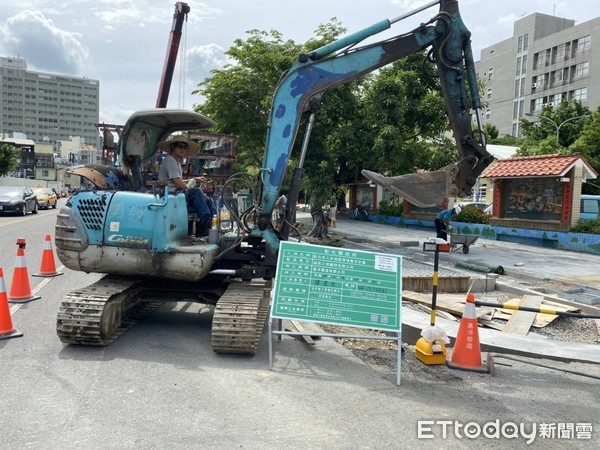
[46, 197]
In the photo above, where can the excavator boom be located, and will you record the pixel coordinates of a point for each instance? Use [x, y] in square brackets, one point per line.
[314, 74]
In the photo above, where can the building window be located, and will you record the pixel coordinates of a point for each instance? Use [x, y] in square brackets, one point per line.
[517, 87]
[515, 110]
[522, 91]
[489, 94]
[583, 43]
[582, 69]
[45, 173]
[488, 114]
[518, 72]
[559, 76]
[524, 65]
[541, 80]
[580, 94]
[515, 130]
[525, 41]
[520, 44]
[491, 73]
[561, 52]
[538, 103]
[521, 107]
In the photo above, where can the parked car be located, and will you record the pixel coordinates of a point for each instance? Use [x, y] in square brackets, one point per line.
[46, 197]
[17, 200]
[590, 207]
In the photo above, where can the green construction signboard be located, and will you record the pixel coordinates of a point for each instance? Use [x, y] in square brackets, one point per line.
[338, 286]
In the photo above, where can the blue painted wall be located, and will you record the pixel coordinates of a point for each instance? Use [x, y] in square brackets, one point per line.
[579, 242]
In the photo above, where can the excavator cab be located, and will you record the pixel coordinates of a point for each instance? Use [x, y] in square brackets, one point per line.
[123, 226]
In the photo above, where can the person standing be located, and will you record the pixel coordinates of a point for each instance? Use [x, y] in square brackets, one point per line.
[280, 206]
[332, 211]
[170, 171]
[442, 221]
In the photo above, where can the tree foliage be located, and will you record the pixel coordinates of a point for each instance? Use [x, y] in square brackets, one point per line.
[540, 135]
[238, 96]
[9, 158]
[588, 145]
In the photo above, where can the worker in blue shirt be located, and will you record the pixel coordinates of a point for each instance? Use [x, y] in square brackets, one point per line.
[443, 220]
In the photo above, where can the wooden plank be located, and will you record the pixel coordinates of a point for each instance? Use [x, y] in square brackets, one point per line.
[541, 320]
[521, 321]
[491, 324]
[297, 326]
[438, 313]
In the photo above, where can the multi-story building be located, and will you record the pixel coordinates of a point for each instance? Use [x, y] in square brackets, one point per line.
[548, 60]
[47, 107]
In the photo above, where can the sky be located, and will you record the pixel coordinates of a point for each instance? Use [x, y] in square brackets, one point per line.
[122, 43]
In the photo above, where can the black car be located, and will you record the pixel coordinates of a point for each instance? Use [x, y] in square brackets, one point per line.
[17, 200]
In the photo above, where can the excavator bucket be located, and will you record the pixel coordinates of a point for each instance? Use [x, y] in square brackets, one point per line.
[426, 189]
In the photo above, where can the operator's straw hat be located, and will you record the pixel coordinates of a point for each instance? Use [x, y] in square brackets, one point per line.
[192, 147]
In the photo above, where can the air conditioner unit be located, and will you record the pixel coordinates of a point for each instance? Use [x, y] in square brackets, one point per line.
[534, 85]
[551, 104]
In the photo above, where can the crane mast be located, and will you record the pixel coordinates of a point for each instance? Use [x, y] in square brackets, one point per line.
[179, 17]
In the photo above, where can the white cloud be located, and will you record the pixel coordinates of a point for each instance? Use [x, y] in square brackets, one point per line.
[44, 46]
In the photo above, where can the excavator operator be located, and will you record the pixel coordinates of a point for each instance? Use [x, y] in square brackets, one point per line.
[170, 171]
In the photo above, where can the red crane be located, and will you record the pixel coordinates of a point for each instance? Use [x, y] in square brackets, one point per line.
[180, 15]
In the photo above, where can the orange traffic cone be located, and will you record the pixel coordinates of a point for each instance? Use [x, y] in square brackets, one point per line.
[7, 330]
[466, 354]
[20, 290]
[47, 267]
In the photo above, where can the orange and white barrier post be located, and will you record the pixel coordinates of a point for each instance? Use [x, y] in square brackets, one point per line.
[48, 266]
[20, 289]
[7, 330]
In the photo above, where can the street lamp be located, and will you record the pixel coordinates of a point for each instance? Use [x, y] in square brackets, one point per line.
[557, 125]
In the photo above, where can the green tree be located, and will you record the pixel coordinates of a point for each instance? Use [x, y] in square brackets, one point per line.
[406, 112]
[540, 136]
[588, 145]
[9, 158]
[238, 96]
[491, 131]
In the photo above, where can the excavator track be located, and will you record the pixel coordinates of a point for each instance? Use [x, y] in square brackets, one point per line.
[100, 313]
[240, 316]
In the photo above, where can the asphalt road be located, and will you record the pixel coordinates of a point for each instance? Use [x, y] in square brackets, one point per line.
[520, 261]
[161, 386]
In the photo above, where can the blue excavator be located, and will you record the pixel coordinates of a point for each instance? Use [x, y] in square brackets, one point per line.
[137, 235]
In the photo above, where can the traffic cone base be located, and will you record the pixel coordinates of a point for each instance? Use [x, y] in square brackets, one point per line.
[466, 354]
[11, 334]
[7, 331]
[24, 300]
[48, 266]
[48, 275]
[480, 369]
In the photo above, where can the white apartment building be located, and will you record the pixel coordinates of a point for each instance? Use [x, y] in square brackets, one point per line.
[47, 107]
[548, 60]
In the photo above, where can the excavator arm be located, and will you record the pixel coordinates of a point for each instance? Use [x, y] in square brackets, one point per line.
[312, 75]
